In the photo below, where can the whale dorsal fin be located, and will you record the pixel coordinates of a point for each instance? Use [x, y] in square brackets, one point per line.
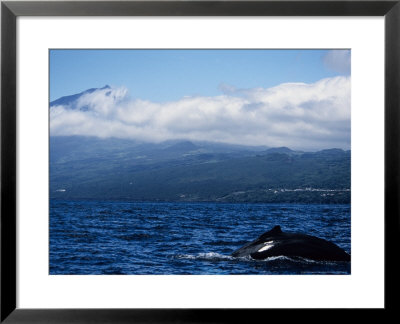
[274, 231]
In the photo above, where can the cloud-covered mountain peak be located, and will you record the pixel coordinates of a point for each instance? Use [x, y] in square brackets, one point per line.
[90, 99]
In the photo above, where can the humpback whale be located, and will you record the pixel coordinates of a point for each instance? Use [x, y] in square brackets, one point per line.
[278, 243]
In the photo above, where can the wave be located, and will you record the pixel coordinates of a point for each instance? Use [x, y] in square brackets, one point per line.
[214, 256]
[209, 256]
[296, 259]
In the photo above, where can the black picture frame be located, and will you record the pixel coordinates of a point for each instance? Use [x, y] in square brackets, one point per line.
[10, 10]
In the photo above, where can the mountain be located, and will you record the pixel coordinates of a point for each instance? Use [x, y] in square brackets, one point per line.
[183, 147]
[284, 150]
[116, 169]
[83, 167]
[70, 101]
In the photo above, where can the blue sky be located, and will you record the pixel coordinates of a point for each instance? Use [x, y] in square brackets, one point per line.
[168, 75]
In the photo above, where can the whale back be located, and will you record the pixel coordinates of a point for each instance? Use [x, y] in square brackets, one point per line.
[275, 242]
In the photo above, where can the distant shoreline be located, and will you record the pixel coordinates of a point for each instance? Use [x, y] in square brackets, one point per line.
[189, 202]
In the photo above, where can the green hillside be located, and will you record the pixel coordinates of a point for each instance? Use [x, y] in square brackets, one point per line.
[82, 168]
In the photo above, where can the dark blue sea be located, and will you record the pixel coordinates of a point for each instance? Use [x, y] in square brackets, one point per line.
[132, 238]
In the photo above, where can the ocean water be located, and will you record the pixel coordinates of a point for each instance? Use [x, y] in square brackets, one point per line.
[133, 238]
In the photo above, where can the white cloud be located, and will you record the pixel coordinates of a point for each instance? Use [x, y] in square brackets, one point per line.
[338, 60]
[297, 115]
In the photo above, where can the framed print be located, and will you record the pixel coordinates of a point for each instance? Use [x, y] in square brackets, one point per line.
[175, 160]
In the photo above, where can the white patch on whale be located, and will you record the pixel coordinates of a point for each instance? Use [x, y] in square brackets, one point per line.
[267, 246]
